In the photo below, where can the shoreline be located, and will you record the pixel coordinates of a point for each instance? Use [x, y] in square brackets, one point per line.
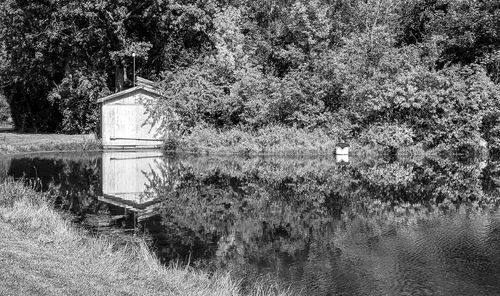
[16, 143]
[37, 143]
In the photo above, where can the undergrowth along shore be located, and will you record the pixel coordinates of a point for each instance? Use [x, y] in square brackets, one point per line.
[42, 253]
[276, 140]
[287, 141]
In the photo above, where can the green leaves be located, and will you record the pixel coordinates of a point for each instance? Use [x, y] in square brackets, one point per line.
[46, 42]
[342, 66]
[391, 136]
[76, 96]
[5, 113]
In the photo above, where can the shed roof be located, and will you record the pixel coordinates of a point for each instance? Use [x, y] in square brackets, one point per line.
[117, 200]
[143, 84]
[145, 210]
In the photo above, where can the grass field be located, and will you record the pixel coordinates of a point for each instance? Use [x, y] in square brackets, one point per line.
[43, 254]
[12, 143]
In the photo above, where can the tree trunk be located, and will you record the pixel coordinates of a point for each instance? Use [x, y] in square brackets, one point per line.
[119, 78]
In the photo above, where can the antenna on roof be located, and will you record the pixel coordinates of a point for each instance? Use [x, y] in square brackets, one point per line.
[133, 56]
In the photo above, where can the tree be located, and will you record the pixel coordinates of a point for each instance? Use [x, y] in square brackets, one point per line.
[469, 30]
[48, 41]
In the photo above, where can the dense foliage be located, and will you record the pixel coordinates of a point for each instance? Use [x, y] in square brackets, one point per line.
[48, 49]
[428, 70]
[5, 117]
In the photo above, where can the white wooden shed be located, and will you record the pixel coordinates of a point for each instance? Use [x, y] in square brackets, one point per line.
[124, 122]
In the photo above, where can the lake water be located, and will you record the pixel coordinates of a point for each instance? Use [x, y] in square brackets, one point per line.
[367, 227]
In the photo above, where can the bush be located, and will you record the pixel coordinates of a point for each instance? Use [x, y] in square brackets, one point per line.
[387, 136]
[268, 140]
[76, 96]
[5, 115]
[445, 108]
[367, 90]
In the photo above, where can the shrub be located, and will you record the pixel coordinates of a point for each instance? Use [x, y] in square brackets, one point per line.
[387, 136]
[444, 108]
[77, 97]
[5, 116]
[268, 140]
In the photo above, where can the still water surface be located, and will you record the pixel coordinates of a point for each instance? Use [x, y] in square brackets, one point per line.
[368, 227]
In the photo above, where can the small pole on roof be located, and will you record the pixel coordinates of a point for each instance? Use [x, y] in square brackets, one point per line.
[133, 56]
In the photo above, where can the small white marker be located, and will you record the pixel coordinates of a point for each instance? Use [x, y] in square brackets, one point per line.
[342, 158]
[342, 153]
[342, 149]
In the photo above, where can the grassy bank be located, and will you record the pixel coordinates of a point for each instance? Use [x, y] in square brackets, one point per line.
[42, 254]
[14, 143]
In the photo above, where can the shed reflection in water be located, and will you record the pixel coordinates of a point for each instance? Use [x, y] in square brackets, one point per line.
[370, 227]
[125, 180]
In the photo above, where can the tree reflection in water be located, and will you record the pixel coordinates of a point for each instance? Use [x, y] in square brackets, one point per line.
[323, 227]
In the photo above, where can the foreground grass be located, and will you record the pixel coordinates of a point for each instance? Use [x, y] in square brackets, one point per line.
[42, 254]
[14, 143]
